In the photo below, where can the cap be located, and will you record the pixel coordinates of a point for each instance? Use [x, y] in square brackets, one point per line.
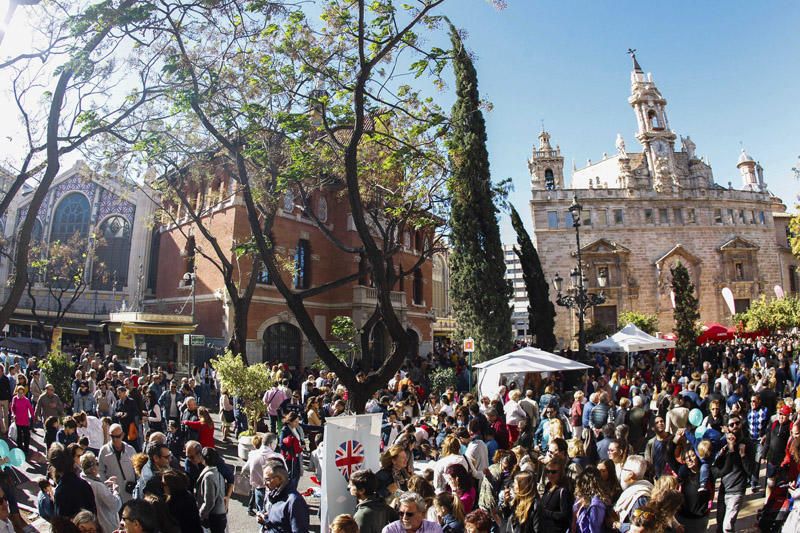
[785, 410]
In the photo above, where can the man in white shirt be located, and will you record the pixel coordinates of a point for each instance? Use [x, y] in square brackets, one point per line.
[307, 387]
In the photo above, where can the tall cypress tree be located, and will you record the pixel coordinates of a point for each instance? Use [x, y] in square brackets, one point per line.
[541, 311]
[480, 293]
[686, 311]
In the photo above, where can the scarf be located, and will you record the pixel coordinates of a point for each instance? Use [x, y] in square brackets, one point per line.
[629, 496]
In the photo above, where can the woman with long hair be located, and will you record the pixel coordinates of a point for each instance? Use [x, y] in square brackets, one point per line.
[557, 499]
[608, 479]
[591, 502]
[462, 485]
[520, 505]
[449, 513]
[204, 427]
[450, 455]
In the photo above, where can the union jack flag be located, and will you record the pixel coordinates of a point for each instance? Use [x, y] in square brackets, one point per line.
[349, 457]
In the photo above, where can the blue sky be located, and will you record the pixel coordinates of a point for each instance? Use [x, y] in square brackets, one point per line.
[730, 72]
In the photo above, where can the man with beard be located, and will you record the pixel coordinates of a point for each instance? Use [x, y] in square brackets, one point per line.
[733, 467]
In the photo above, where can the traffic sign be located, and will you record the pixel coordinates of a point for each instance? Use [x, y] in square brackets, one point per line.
[469, 345]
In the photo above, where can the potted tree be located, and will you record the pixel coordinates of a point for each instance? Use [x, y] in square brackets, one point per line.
[248, 383]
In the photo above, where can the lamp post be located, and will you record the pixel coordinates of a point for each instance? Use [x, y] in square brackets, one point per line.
[577, 296]
[191, 277]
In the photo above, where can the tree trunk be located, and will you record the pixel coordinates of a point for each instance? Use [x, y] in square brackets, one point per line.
[238, 342]
[357, 398]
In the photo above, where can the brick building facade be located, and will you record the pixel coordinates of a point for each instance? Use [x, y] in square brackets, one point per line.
[310, 258]
[644, 211]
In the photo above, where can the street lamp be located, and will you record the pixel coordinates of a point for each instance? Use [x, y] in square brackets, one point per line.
[191, 277]
[577, 297]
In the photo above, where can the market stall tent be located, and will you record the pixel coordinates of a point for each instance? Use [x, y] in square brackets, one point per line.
[630, 339]
[715, 332]
[520, 362]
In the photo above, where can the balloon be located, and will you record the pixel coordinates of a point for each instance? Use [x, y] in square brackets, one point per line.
[4, 451]
[700, 432]
[16, 457]
[695, 417]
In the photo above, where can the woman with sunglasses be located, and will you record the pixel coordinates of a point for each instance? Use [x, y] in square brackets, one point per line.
[557, 499]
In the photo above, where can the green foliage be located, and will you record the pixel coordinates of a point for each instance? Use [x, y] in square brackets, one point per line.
[541, 311]
[596, 333]
[794, 234]
[441, 378]
[248, 382]
[772, 315]
[686, 311]
[478, 287]
[59, 370]
[644, 321]
[348, 350]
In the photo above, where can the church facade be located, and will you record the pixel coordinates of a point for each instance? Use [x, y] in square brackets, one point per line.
[645, 211]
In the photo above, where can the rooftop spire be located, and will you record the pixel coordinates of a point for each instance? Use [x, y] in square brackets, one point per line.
[636, 66]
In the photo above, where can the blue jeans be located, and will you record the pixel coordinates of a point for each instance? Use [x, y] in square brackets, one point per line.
[261, 496]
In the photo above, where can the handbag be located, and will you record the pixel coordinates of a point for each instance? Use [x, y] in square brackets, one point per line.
[241, 484]
[12, 431]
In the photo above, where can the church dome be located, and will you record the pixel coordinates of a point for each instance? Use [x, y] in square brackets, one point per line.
[744, 157]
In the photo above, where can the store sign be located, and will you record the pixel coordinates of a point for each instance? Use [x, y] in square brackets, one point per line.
[194, 340]
[469, 345]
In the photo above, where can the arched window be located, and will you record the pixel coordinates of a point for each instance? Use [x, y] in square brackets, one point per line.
[112, 254]
[549, 180]
[302, 265]
[282, 343]
[36, 233]
[652, 117]
[71, 218]
[417, 295]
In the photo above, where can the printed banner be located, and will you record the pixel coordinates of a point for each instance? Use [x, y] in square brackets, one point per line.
[350, 444]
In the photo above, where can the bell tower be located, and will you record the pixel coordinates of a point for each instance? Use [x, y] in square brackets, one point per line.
[546, 165]
[654, 133]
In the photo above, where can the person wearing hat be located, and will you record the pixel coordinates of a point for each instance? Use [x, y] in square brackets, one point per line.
[775, 444]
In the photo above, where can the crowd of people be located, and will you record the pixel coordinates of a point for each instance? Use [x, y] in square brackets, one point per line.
[655, 447]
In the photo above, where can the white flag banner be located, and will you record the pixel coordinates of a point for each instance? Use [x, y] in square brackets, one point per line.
[351, 443]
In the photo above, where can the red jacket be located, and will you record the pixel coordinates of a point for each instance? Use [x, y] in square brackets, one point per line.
[205, 431]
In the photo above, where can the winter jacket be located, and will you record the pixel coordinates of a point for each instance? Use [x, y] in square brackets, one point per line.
[373, 514]
[84, 403]
[22, 410]
[122, 467]
[287, 512]
[73, 494]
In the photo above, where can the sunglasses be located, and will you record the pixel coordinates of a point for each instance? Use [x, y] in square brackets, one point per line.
[405, 514]
[116, 436]
[646, 514]
[551, 471]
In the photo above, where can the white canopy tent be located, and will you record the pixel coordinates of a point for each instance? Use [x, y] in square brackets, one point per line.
[520, 362]
[630, 339]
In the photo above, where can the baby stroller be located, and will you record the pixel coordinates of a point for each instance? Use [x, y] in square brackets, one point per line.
[772, 516]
